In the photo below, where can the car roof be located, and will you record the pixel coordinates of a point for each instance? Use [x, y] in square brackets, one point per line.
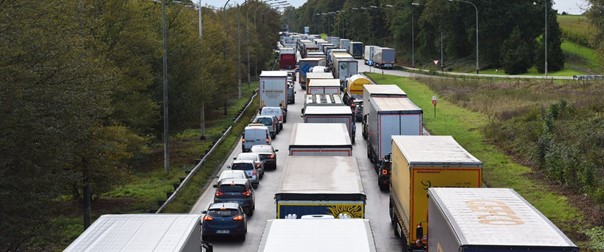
[224, 205]
[265, 116]
[232, 171]
[262, 147]
[244, 161]
[233, 181]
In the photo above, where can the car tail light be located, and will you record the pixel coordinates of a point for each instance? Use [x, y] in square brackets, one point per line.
[247, 193]
[267, 140]
[243, 140]
[218, 193]
[238, 218]
[257, 165]
[271, 156]
[384, 172]
[208, 218]
[254, 172]
[281, 118]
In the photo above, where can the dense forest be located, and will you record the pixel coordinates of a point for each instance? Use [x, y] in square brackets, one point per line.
[511, 33]
[81, 100]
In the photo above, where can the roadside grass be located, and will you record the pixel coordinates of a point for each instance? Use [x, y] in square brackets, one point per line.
[499, 169]
[588, 55]
[149, 185]
[566, 71]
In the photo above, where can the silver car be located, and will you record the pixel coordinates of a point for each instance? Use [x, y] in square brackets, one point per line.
[255, 157]
[250, 169]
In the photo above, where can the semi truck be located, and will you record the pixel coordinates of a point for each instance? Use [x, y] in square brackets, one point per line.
[320, 139]
[383, 90]
[356, 49]
[287, 58]
[489, 219]
[335, 41]
[420, 163]
[345, 44]
[368, 54]
[304, 66]
[323, 86]
[317, 235]
[142, 232]
[320, 186]
[354, 88]
[383, 57]
[272, 89]
[389, 117]
[332, 114]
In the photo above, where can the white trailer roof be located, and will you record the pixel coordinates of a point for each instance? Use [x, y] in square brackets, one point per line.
[320, 76]
[328, 110]
[320, 135]
[429, 150]
[496, 216]
[395, 104]
[291, 235]
[324, 82]
[384, 90]
[274, 74]
[321, 174]
[138, 232]
[341, 55]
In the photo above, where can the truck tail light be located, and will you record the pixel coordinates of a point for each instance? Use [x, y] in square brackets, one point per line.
[208, 218]
[218, 194]
[247, 193]
[238, 218]
[384, 172]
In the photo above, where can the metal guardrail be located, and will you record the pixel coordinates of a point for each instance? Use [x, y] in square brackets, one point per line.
[203, 160]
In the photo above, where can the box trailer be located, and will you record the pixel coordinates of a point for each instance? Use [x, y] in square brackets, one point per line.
[272, 89]
[287, 58]
[323, 86]
[368, 53]
[354, 235]
[383, 57]
[320, 139]
[320, 186]
[382, 90]
[304, 66]
[489, 219]
[332, 114]
[345, 44]
[310, 76]
[335, 41]
[390, 117]
[356, 49]
[419, 163]
[141, 232]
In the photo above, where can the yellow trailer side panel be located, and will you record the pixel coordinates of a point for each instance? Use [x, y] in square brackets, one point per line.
[400, 181]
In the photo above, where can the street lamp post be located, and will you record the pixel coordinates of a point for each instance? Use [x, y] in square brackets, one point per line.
[545, 41]
[165, 88]
[224, 20]
[476, 8]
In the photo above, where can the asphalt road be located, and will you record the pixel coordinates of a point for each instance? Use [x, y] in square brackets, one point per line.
[377, 201]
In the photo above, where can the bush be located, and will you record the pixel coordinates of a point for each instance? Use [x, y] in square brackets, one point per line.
[516, 53]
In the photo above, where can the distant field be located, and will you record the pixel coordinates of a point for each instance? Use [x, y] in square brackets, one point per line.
[576, 29]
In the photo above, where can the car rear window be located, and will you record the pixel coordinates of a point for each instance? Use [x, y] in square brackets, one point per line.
[223, 212]
[247, 157]
[242, 166]
[265, 121]
[232, 188]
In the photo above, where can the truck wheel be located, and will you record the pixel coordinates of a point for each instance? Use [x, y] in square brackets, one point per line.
[391, 213]
[383, 188]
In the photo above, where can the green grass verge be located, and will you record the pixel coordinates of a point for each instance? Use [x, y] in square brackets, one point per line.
[499, 170]
[533, 71]
[590, 56]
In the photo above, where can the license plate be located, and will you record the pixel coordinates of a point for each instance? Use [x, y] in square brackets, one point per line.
[223, 231]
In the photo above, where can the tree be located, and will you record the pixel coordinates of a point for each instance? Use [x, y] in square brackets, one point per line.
[516, 53]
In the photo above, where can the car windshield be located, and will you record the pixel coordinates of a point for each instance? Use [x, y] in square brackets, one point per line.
[242, 166]
[223, 212]
[232, 188]
[264, 120]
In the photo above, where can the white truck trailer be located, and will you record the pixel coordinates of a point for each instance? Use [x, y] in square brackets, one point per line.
[272, 89]
[368, 54]
[323, 86]
[344, 67]
[332, 114]
[390, 117]
[384, 57]
[489, 219]
[326, 186]
[351, 235]
[320, 139]
[345, 44]
[141, 232]
[382, 90]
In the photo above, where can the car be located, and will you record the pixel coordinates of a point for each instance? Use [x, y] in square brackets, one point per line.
[231, 174]
[224, 220]
[268, 155]
[291, 94]
[257, 161]
[384, 170]
[254, 134]
[236, 190]
[278, 111]
[270, 123]
[250, 169]
[358, 112]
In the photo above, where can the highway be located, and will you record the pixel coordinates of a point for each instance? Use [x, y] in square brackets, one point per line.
[377, 201]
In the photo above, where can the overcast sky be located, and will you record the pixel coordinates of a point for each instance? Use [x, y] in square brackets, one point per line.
[568, 6]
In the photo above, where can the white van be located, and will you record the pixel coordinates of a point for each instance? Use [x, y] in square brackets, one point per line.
[255, 134]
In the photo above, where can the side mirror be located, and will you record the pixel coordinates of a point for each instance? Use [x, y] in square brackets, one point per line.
[276, 150]
[204, 212]
[215, 185]
[228, 167]
[234, 158]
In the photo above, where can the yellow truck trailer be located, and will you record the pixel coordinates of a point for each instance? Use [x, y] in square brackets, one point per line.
[419, 163]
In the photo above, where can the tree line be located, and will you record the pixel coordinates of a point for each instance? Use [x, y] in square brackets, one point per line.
[81, 93]
[511, 33]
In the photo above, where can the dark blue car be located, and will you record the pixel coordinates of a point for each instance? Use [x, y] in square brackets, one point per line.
[236, 190]
[224, 220]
